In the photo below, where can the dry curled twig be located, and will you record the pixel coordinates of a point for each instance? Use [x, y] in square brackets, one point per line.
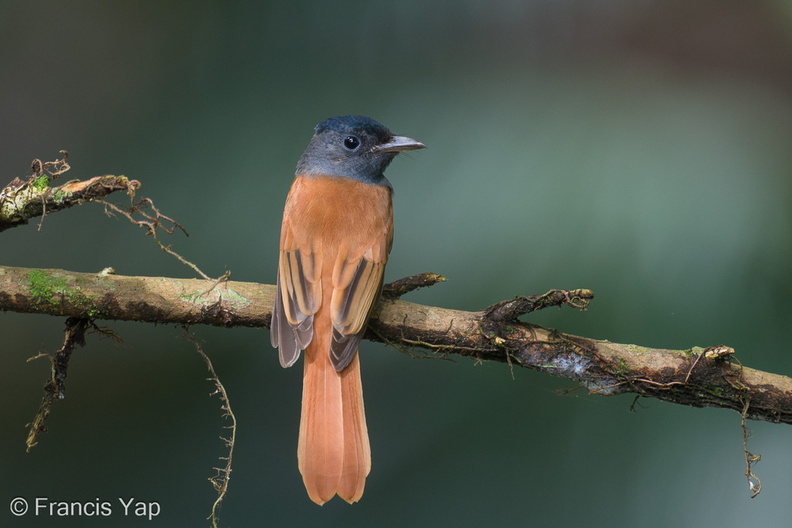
[53, 169]
[152, 222]
[754, 483]
[220, 481]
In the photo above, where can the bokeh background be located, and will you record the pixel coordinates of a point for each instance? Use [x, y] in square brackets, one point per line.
[638, 148]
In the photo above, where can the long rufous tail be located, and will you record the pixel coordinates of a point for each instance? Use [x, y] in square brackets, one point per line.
[333, 452]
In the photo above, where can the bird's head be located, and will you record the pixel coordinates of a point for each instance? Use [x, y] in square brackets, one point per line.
[354, 147]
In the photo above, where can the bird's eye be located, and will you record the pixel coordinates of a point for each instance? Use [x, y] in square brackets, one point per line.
[351, 142]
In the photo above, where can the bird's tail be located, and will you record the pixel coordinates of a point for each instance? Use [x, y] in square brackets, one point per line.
[333, 452]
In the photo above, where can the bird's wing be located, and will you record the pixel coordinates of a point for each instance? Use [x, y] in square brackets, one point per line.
[357, 283]
[299, 296]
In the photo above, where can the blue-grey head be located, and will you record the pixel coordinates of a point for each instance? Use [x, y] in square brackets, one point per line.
[354, 147]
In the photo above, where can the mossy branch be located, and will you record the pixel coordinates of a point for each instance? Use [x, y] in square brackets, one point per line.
[35, 196]
[700, 377]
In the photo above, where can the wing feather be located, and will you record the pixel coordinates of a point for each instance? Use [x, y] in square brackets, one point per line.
[299, 297]
[356, 288]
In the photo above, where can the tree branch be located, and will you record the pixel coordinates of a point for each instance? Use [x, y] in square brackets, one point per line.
[22, 200]
[700, 377]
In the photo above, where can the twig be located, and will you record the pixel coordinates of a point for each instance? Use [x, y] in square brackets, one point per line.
[754, 483]
[400, 287]
[220, 481]
[507, 311]
[152, 223]
[55, 388]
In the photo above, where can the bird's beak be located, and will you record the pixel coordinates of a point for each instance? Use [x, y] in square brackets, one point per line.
[398, 144]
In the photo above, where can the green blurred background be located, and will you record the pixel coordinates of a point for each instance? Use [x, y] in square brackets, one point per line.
[637, 148]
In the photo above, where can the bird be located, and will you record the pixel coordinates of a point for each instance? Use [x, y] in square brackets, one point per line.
[335, 239]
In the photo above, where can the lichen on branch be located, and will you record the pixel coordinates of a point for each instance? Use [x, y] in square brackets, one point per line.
[35, 196]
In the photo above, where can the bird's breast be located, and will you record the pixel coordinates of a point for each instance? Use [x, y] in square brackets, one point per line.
[335, 212]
